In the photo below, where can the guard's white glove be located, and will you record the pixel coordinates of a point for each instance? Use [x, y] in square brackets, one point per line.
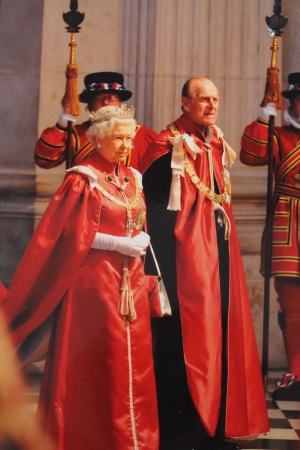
[267, 111]
[124, 245]
[64, 118]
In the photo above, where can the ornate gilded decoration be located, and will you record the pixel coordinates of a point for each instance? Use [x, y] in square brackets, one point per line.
[297, 179]
[217, 198]
[171, 127]
[128, 206]
[137, 223]
[109, 112]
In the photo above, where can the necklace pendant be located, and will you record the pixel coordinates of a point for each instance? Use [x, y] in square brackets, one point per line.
[137, 223]
[220, 220]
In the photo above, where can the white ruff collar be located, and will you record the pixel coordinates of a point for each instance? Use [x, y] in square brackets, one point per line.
[289, 119]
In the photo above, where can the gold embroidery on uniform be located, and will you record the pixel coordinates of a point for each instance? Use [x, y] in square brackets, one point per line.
[297, 179]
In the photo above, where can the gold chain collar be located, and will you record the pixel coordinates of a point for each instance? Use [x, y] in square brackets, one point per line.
[128, 206]
[217, 198]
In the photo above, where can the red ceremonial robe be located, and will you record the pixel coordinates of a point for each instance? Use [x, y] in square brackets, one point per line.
[198, 286]
[98, 390]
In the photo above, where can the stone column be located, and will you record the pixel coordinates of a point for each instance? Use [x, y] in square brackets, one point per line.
[290, 40]
[20, 49]
[138, 53]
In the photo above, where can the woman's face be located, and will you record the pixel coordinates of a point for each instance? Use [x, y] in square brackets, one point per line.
[116, 146]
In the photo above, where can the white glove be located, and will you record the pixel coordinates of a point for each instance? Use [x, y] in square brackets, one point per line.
[267, 111]
[64, 118]
[124, 245]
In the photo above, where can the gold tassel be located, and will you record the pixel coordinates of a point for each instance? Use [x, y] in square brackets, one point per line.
[126, 300]
[272, 89]
[70, 101]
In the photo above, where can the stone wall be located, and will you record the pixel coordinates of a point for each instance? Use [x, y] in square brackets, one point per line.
[20, 57]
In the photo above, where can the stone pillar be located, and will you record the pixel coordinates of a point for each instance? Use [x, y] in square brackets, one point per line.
[20, 49]
[290, 40]
[138, 50]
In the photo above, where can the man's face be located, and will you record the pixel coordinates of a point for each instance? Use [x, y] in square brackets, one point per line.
[202, 107]
[295, 107]
[104, 100]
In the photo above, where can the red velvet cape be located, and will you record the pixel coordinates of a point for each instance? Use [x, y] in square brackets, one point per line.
[199, 299]
[98, 389]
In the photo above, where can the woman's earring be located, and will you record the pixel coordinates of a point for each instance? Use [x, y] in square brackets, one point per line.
[99, 145]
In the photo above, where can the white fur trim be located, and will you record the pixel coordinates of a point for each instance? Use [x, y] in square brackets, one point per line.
[85, 171]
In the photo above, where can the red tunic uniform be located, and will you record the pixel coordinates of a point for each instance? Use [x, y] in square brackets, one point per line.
[98, 390]
[286, 222]
[199, 290]
[285, 259]
[50, 147]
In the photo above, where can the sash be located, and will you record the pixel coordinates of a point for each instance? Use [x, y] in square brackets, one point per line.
[288, 163]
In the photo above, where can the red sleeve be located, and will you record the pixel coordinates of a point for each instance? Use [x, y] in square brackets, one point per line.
[254, 144]
[157, 148]
[50, 147]
[61, 241]
[143, 138]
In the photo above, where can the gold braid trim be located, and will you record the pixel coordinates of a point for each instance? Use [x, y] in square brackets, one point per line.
[172, 127]
[217, 198]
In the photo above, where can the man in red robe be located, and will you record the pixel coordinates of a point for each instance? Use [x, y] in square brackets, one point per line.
[207, 367]
[101, 89]
[285, 261]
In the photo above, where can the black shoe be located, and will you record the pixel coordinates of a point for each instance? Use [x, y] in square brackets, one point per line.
[218, 444]
[291, 393]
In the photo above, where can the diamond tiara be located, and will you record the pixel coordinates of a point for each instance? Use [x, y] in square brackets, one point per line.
[108, 112]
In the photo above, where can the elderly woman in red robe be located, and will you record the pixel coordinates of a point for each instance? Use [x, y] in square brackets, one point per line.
[83, 265]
